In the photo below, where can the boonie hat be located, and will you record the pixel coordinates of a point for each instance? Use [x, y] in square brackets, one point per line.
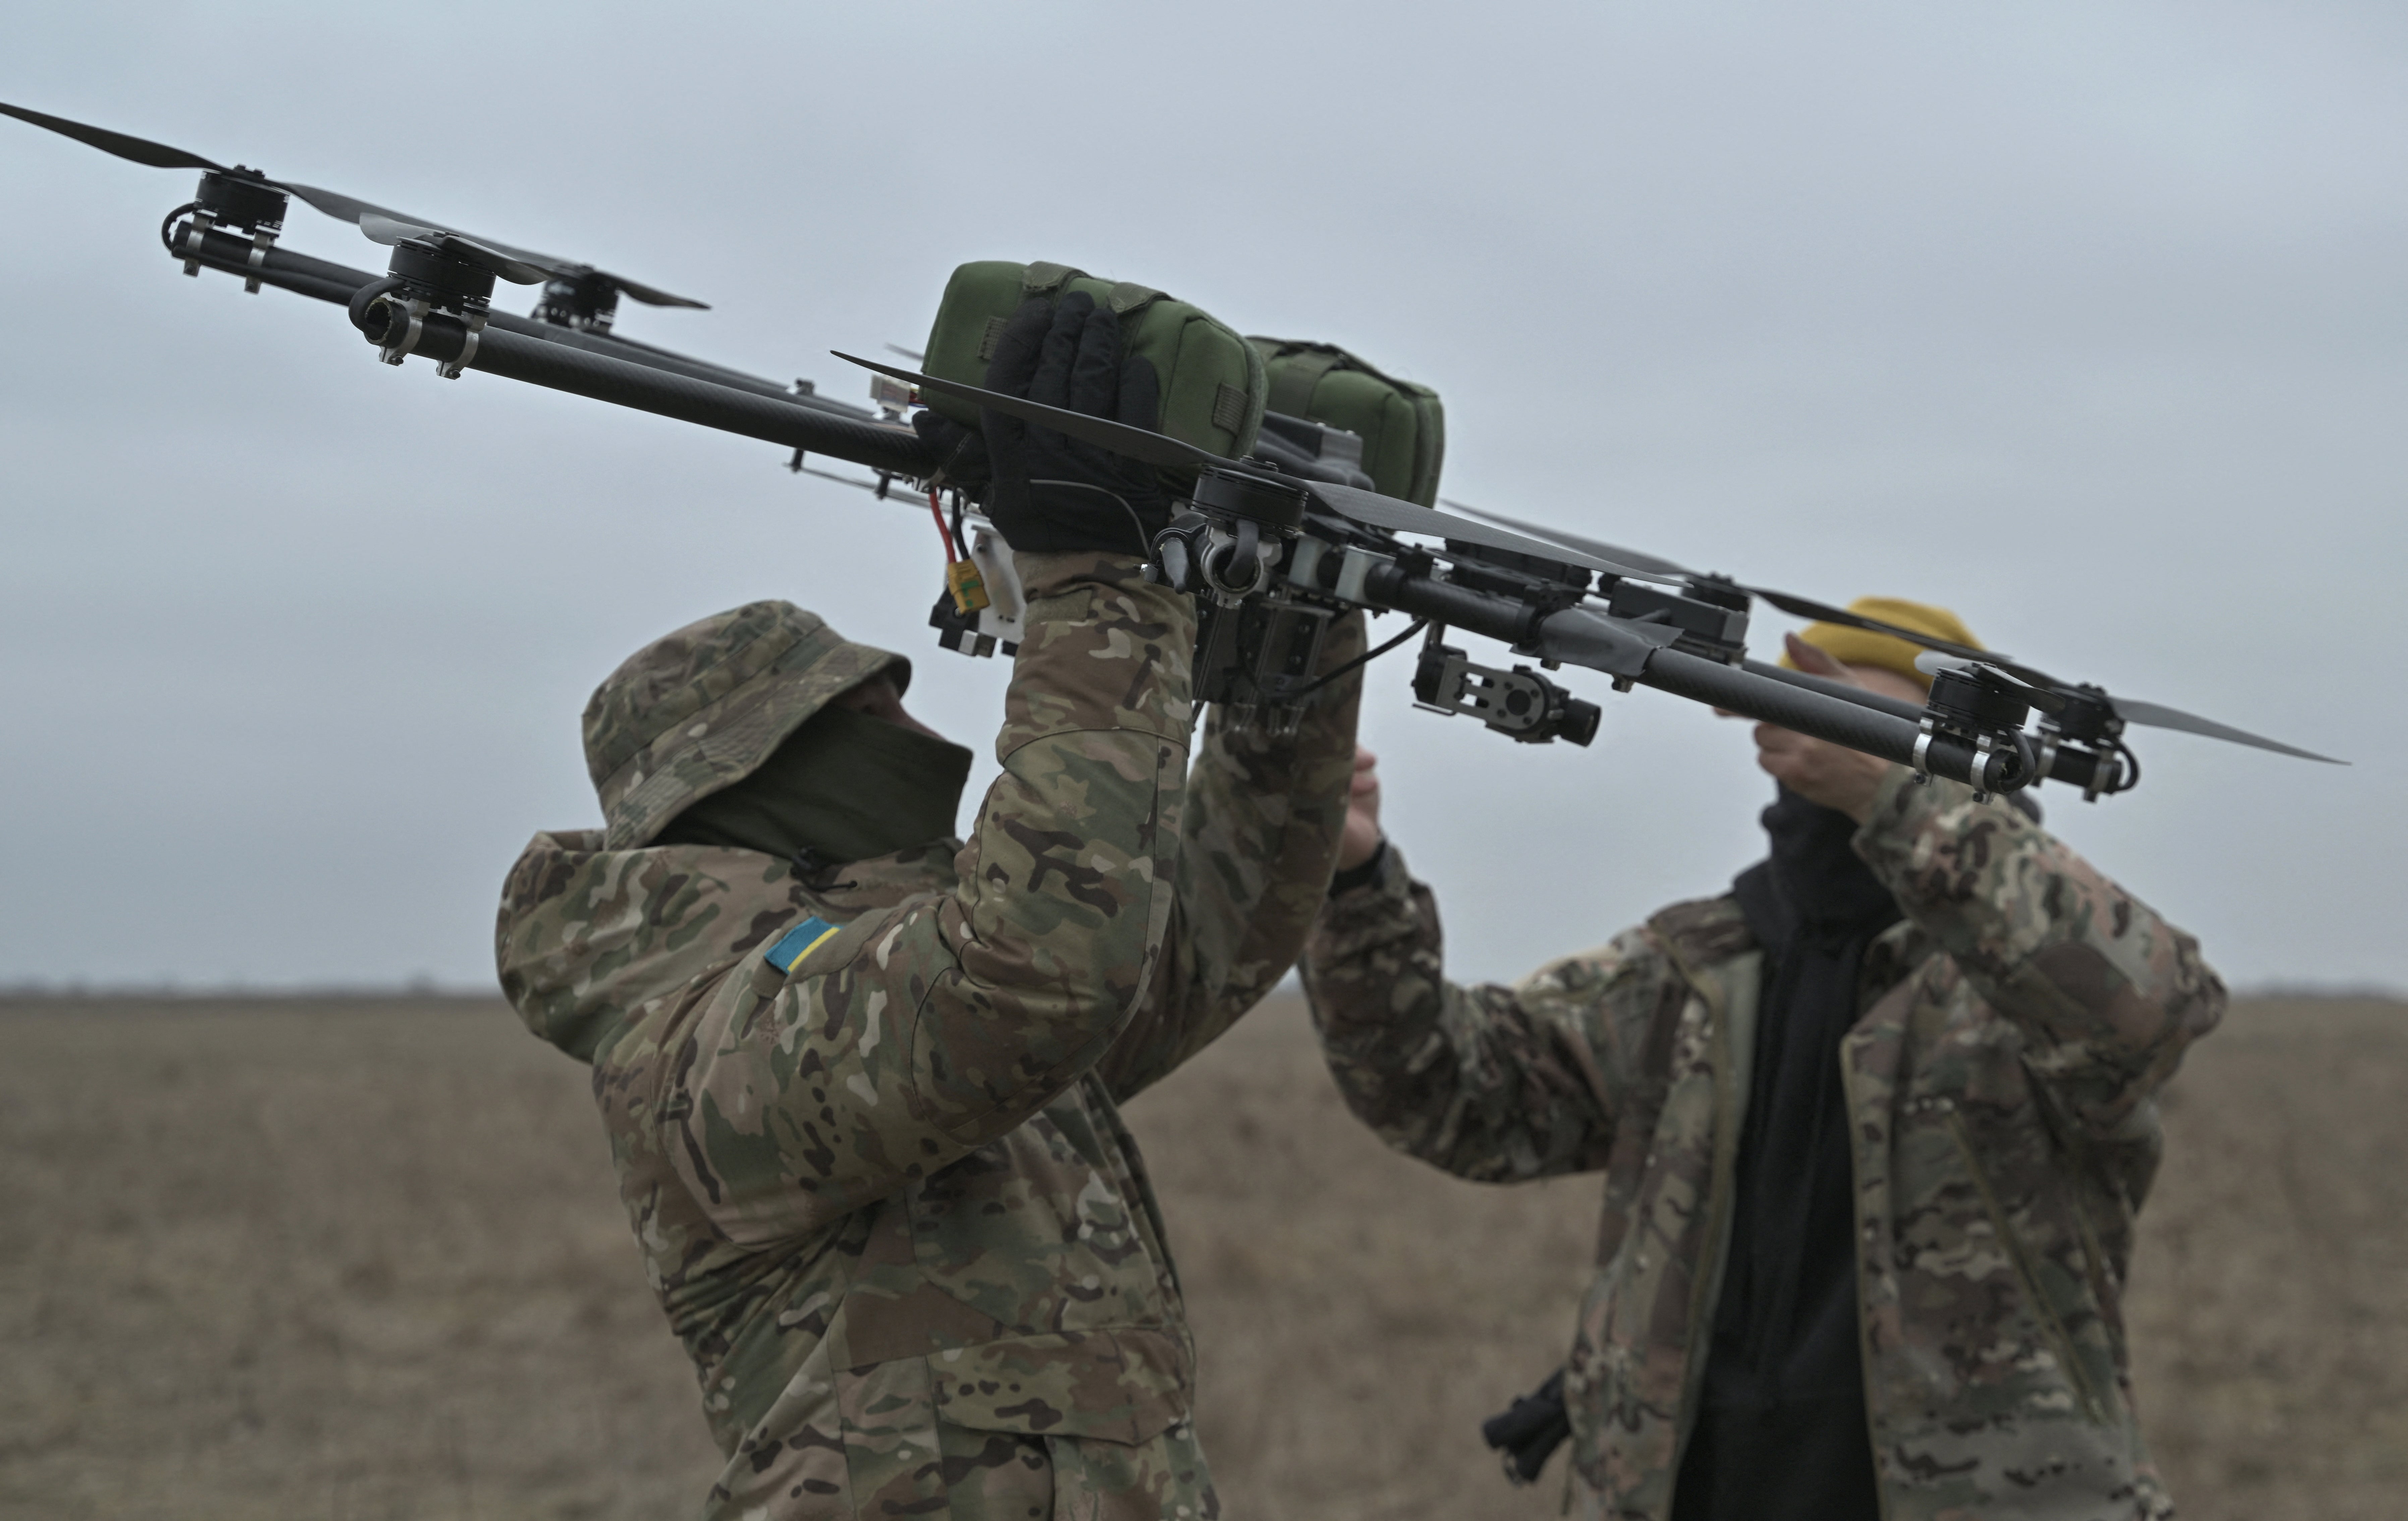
[701, 709]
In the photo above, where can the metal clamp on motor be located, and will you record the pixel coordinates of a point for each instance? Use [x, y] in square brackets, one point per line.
[424, 278]
[231, 198]
[2081, 742]
[1978, 705]
[432, 273]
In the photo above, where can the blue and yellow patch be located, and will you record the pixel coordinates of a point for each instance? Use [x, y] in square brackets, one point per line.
[800, 941]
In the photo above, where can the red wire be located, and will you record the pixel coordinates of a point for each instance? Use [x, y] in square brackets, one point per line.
[944, 534]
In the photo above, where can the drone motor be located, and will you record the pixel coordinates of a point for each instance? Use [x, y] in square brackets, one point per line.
[1238, 529]
[580, 298]
[424, 278]
[1979, 705]
[2082, 742]
[231, 198]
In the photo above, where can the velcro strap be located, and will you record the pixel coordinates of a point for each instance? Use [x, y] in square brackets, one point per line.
[995, 326]
[1229, 407]
[1043, 279]
[1127, 297]
[1298, 376]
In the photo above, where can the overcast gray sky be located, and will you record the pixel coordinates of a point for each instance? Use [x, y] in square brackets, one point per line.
[2085, 319]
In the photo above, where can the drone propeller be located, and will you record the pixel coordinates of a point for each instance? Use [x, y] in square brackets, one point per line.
[386, 230]
[2131, 711]
[2043, 692]
[139, 149]
[486, 253]
[1788, 602]
[1367, 507]
[1611, 551]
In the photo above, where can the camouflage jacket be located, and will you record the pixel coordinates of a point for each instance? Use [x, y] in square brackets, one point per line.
[2017, 1022]
[885, 1198]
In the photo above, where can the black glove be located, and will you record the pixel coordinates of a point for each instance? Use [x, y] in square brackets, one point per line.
[1049, 492]
[961, 452]
[1529, 1433]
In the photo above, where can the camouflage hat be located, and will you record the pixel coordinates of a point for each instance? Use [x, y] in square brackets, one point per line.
[700, 709]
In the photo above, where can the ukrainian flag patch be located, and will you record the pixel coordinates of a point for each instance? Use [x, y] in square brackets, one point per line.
[800, 941]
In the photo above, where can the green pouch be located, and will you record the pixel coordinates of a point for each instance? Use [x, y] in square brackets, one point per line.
[1212, 381]
[1402, 425]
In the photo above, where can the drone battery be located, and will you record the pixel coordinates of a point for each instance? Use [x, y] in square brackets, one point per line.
[1402, 425]
[1212, 381]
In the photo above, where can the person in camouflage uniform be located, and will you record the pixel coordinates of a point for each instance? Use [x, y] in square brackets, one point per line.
[1983, 1099]
[865, 1113]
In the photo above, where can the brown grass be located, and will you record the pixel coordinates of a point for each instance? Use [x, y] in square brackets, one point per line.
[364, 1259]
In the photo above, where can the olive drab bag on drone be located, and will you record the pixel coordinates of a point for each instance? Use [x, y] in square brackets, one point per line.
[1212, 381]
[1402, 426]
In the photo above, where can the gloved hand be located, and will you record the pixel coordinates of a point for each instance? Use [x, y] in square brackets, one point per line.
[1046, 491]
[961, 451]
[1526, 1435]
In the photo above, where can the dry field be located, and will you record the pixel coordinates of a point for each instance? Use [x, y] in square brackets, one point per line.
[364, 1259]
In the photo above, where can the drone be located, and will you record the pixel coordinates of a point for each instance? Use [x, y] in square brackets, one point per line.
[1274, 547]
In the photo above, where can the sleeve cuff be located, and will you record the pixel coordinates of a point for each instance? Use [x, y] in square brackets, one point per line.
[1360, 876]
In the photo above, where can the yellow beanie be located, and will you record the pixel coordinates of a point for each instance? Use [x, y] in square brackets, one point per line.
[1863, 647]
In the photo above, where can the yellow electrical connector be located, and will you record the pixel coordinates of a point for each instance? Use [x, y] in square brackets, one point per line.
[969, 591]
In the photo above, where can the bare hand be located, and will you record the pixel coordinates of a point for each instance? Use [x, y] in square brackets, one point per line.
[1816, 769]
[1361, 839]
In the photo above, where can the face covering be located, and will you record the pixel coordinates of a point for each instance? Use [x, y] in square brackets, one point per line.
[843, 787]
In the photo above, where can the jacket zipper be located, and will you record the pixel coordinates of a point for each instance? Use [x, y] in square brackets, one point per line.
[1864, 1277]
[1731, 1106]
[2043, 1310]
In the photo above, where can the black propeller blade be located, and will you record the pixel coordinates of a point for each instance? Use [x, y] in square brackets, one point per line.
[2132, 710]
[343, 207]
[140, 150]
[386, 230]
[1611, 551]
[2047, 693]
[1142, 444]
[1377, 511]
[1368, 508]
[2157, 716]
[1801, 607]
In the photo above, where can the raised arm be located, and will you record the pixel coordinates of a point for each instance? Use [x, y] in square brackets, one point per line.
[1492, 1082]
[2107, 993]
[1261, 830]
[905, 1043]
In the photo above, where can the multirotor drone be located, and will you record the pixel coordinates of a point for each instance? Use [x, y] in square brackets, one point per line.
[1274, 546]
